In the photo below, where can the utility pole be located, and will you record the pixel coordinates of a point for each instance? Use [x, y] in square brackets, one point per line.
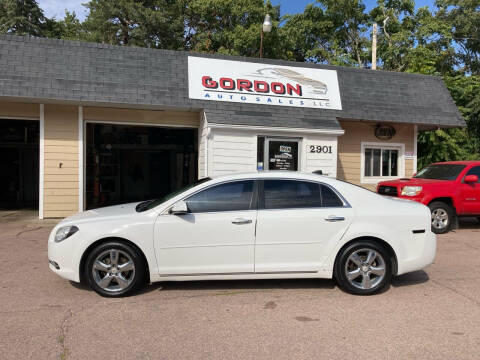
[374, 46]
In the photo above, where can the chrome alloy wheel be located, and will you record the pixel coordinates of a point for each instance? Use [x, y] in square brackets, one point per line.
[439, 219]
[365, 269]
[113, 270]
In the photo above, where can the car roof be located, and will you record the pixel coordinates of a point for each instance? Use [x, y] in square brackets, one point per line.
[270, 174]
[465, 162]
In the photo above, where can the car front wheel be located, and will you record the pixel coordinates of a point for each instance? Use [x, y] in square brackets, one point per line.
[363, 268]
[115, 269]
[442, 216]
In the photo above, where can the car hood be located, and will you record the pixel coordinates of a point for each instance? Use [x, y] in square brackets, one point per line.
[102, 213]
[412, 182]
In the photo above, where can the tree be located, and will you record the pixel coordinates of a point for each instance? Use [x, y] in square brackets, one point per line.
[463, 17]
[309, 35]
[70, 28]
[232, 27]
[21, 17]
[350, 22]
[147, 23]
[331, 31]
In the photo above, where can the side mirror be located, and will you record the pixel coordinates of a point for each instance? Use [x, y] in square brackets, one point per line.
[180, 208]
[471, 179]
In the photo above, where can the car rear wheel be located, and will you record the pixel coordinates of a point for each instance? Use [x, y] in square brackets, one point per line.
[115, 269]
[442, 216]
[363, 268]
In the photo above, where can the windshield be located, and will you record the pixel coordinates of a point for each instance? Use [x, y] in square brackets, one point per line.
[150, 204]
[440, 172]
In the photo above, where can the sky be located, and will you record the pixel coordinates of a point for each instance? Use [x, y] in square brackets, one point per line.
[56, 8]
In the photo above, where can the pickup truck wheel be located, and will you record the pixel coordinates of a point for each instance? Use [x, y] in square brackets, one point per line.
[442, 216]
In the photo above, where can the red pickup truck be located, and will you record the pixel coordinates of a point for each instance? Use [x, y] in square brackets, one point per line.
[449, 189]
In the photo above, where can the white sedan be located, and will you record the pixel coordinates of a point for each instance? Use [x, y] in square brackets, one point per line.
[266, 225]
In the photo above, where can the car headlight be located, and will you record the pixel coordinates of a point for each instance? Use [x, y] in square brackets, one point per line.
[411, 190]
[65, 232]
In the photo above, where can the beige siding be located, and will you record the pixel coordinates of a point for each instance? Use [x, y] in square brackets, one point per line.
[20, 110]
[61, 146]
[168, 118]
[349, 148]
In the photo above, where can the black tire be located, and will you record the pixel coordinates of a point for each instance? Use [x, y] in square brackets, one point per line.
[341, 268]
[135, 278]
[439, 207]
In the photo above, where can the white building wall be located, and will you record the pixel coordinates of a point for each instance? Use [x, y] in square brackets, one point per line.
[235, 150]
[202, 146]
[323, 160]
[231, 150]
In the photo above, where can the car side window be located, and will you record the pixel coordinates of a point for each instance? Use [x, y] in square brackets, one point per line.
[288, 194]
[475, 171]
[232, 196]
[329, 198]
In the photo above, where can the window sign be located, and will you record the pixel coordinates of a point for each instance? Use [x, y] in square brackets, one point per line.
[282, 155]
[265, 84]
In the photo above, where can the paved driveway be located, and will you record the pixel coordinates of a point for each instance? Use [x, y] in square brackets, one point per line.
[431, 314]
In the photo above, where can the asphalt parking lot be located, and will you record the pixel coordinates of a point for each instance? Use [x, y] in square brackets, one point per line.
[431, 314]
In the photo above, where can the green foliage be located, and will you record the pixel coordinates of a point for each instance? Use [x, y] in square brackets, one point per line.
[444, 145]
[147, 23]
[463, 19]
[21, 17]
[232, 27]
[455, 144]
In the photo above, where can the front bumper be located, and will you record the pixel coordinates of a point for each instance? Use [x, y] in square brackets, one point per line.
[420, 198]
[62, 259]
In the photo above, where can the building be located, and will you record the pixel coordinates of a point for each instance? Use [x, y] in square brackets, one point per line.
[84, 125]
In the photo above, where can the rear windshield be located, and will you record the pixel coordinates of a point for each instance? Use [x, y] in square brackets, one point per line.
[440, 172]
[150, 204]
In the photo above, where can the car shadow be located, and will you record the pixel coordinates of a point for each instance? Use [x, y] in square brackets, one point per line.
[245, 286]
[468, 223]
[240, 285]
[413, 278]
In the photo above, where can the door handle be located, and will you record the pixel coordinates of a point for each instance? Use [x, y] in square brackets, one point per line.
[333, 218]
[241, 221]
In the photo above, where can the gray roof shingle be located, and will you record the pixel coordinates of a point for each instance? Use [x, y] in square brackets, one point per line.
[50, 70]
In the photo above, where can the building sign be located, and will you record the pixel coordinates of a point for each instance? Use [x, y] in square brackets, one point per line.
[267, 84]
[384, 132]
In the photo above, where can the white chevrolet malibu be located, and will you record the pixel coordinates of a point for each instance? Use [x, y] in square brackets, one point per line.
[267, 225]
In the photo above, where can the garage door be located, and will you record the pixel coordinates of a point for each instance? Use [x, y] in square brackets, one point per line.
[133, 163]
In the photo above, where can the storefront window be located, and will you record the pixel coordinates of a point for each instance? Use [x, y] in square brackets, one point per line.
[381, 162]
[281, 154]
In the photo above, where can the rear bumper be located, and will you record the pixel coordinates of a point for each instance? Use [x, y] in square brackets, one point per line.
[417, 260]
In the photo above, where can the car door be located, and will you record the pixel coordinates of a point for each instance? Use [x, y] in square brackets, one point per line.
[217, 235]
[470, 193]
[296, 223]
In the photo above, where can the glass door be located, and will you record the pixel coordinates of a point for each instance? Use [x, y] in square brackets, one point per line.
[281, 154]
